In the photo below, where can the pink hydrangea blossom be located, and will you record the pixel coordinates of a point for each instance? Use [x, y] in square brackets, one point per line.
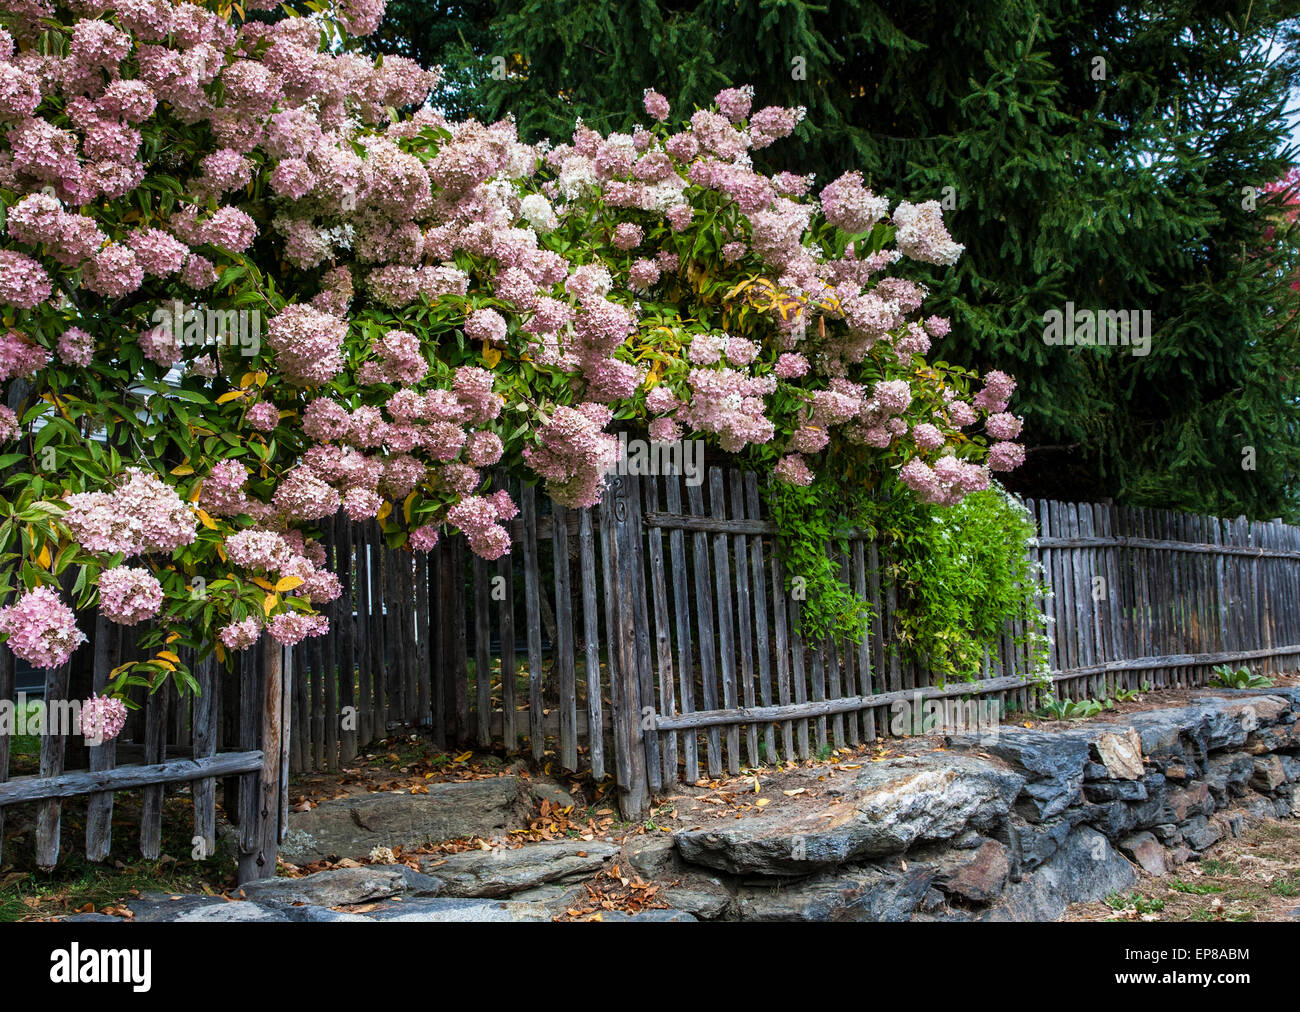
[1003, 426]
[307, 343]
[20, 357]
[263, 416]
[102, 718]
[793, 470]
[76, 347]
[486, 325]
[9, 427]
[656, 105]
[922, 235]
[221, 494]
[129, 595]
[1005, 456]
[23, 282]
[40, 628]
[240, 635]
[139, 516]
[791, 365]
[291, 627]
[424, 538]
[847, 203]
[258, 549]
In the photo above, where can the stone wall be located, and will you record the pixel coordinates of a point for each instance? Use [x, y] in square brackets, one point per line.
[1008, 829]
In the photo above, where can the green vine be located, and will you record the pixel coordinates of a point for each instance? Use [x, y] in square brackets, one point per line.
[812, 519]
[961, 573]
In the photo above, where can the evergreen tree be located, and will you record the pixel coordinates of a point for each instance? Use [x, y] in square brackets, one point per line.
[1104, 154]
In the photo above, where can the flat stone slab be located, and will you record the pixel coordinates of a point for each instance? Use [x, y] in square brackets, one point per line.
[1145, 850]
[344, 886]
[1121, 754]
[354, 826]
[979, 875]
[157, 908]
[504, 871]
[887, 808]
[441, 909]
[654, 915]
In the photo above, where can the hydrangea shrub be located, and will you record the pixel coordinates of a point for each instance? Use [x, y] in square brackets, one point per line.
[249, 278]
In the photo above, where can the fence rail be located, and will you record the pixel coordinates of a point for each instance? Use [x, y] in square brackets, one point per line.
[654, 638]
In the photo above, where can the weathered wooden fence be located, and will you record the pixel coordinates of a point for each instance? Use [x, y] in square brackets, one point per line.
[652, 637]
[219, 735]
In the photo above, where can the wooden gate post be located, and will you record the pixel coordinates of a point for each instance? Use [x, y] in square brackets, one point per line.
[623, 544]
[258, 861]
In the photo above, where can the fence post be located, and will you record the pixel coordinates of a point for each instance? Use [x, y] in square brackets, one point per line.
[49, 813]
[258, 862]
[624, 677]
[6, 692]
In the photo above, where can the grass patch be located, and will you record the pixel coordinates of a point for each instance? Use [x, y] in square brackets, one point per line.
[1195, 888]
[27, 893]
[1135, 901]
[1289, 886]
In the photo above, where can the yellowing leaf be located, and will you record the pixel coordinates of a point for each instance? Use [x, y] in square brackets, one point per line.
[207, 521]
[182, 469]
[269, 603]
[172, 637]
[221, 553]
[491, 356]
[263, 582]
[231, 395]
[384, 510]
[167, 655]
[406, 506]
[246, 380]
[287, 583]
[43, 560]
[763, 801]
[221, 653]
[260, 378]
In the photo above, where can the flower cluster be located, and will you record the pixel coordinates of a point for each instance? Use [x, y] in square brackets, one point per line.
[141, 515]
[129, 595]
[102, 718]
[41, 629]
